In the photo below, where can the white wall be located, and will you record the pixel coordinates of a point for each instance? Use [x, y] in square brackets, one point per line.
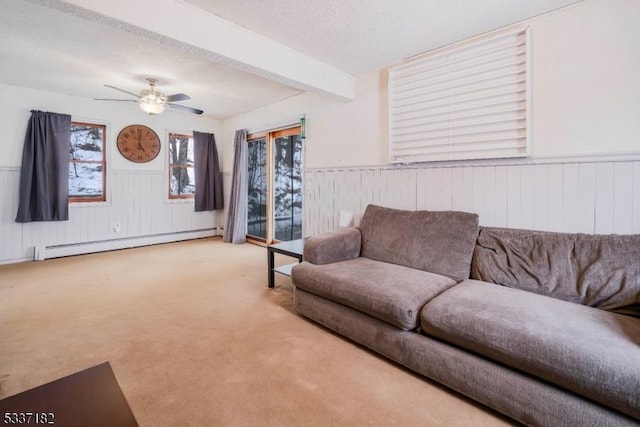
[17, 102]
[586, 89]
[585, 94]
[585, 110]
[338, 133]
[137, 194]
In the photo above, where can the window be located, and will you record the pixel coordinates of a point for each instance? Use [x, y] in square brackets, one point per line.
[182, 180]
[465, 102]
[87, 166]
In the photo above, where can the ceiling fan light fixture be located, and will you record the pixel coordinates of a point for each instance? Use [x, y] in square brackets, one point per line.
[151, 107]
[152, 102]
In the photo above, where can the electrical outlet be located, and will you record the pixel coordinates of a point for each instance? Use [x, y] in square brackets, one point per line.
[116, 227]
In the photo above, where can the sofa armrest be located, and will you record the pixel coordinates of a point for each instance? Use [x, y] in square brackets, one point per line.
[333, 246]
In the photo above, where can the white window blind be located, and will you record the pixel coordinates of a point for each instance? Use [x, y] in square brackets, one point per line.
[469, 102]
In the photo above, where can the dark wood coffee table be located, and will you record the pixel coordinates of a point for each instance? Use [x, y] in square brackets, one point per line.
[87, 398]
[292, 248]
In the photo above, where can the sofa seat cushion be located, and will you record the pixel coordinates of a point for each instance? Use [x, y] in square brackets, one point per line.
[589, 351]
[389, 292]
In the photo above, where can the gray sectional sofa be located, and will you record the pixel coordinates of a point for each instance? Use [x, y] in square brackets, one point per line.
[542, 327]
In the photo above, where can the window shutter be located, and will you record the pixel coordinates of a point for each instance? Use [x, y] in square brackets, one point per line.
[470, 102]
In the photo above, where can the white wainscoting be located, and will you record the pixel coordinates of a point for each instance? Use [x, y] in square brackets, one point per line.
[137, 201]
[572, 196]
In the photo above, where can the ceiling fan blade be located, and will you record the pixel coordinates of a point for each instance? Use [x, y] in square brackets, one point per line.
[178, 97]
[122, 90]
[185, 109]
[108, 99]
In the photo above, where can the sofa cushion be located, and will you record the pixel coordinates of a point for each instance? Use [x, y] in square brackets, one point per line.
[591, 352]
[389, 292]
[433, 241]
[597, 270]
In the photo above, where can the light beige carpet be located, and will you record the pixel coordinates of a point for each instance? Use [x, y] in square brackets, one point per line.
[195, 337]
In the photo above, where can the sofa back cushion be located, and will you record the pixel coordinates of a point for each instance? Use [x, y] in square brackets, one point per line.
[440, 242]
[596, 270]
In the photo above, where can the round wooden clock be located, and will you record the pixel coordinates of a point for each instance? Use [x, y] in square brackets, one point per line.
[138, 143]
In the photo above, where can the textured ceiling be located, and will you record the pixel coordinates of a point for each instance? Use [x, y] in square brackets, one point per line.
[45, 46]
[50, 45]
[364, 35]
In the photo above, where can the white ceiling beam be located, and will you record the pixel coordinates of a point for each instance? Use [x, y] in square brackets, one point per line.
[228, 43]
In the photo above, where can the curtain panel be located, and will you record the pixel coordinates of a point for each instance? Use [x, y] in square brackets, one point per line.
[44, 176]
[235, 230]
[208, 196]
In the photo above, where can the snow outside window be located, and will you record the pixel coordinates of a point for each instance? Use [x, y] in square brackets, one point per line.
[182, 180]
[87, 166]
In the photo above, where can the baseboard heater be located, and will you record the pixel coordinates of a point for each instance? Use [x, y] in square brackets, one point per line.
[46, 252]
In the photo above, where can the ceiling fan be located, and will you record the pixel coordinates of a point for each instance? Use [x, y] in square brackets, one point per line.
[151, 101]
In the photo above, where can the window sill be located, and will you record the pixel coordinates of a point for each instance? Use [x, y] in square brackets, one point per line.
[180, 200]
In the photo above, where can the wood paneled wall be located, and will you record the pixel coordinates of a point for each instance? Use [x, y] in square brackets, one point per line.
[136, 200]
[587, 197]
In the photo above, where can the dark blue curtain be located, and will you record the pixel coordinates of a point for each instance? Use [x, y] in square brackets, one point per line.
[44, 176]
[208, 195]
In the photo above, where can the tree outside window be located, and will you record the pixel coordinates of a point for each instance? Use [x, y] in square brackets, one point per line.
[87, 167]
[182, 182]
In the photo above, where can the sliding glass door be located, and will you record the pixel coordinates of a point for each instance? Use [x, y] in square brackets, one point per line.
[288, 187]
[275, 186]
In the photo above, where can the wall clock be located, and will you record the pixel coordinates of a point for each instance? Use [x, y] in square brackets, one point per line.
[138, 143]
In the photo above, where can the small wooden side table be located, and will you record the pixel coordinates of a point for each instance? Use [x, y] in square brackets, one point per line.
[292, 248]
